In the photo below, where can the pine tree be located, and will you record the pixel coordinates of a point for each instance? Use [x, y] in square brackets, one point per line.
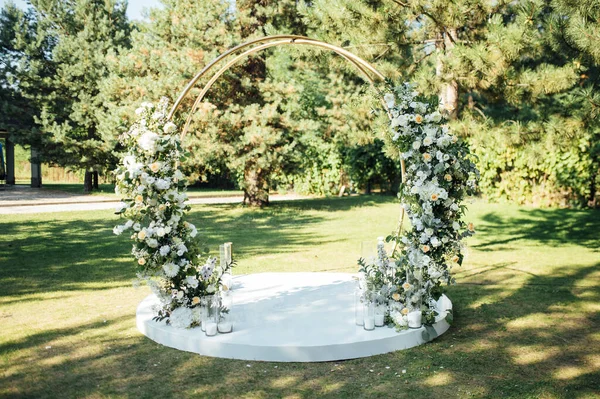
[60, 49]
[493, 64]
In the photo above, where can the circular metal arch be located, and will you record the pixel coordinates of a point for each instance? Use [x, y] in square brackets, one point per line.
[368, 71]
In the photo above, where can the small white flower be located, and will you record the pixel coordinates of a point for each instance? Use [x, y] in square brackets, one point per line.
[164, 250]
[389, 100]
[191, 281]
[152, 242]
[455, 226]
[169, 127]
[416, 145]
[170, 269]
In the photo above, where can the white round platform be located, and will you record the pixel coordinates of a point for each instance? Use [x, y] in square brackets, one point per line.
[291, 317]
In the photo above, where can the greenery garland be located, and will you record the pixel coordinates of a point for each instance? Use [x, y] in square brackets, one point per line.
[166, 247]
[440, 175]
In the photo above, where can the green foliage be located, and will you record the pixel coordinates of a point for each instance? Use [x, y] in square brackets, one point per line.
[55, 58]
[518, 76]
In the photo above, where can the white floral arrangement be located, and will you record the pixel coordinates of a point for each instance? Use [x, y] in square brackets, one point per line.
[440, 176]
[166, 247]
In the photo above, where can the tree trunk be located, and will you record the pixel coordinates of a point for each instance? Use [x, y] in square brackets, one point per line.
[95, 180]
[449, 90]
[87, 182]
[256, 188]
[592, 200]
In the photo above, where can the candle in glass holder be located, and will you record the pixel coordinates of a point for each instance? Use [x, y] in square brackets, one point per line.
[225, 327]
[359, 318]
[369, 314]
[414, 319]
[211, 328]
[369, 323]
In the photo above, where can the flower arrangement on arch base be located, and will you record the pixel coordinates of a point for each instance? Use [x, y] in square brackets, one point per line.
[440, 176]
[168, 251]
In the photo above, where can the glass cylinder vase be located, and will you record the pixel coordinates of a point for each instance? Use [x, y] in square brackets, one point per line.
[211, 315]
[358, 306]
[380, 311]
[369, 316]
[225, 324]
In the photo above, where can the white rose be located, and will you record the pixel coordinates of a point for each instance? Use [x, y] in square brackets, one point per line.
[147, 141]
[164, 250]
[152, 242]
[169, 127]
[210, 289]
[455, 226]
[162, 184]
[416, 145]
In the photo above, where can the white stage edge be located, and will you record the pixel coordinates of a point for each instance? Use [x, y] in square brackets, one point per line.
[291, 317]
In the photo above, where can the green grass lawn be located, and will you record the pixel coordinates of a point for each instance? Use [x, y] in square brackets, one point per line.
[527, 307]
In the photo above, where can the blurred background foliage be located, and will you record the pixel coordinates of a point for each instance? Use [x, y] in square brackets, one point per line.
[519, 76]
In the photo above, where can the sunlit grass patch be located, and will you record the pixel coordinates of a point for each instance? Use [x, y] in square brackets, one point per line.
[526, 307]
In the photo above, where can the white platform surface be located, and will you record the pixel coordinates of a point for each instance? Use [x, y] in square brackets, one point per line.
[291, 317]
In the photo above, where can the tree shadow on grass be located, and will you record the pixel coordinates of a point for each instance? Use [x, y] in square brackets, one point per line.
[506, 348]
[545, 226]
[65, 254]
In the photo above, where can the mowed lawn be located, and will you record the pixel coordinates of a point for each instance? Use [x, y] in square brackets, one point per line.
[527, 307]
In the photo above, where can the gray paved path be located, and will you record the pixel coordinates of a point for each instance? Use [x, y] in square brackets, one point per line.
[23, 199]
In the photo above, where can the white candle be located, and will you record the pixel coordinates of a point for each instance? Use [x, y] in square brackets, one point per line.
[225, 327]
[379, 318]
[369, 323]
[211, 328]
[414, 319]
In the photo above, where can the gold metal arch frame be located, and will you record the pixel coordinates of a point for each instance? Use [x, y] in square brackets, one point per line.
[368, 71]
